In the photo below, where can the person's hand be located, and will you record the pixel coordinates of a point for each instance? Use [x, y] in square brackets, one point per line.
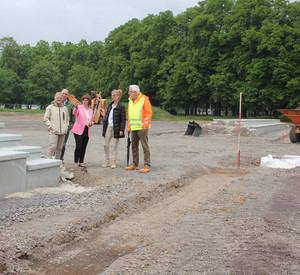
[76, 105]
[71, 126]
[121, 133]
[128, 132]
[145, 130]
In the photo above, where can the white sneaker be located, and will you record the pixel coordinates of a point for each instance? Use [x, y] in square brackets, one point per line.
[106, 164]
[113, 165]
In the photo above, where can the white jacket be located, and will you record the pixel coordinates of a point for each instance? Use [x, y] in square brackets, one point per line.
[57, 119]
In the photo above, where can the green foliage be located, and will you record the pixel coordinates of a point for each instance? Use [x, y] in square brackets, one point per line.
[8, 87]
[9, 53]
[202, 58]
[162, 115]
[43, 81]
[79, 80]
[22, 111]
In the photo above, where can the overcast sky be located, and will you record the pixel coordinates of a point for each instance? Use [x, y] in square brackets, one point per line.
[29, 21]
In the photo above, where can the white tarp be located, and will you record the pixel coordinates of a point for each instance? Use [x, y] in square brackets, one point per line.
[286, 162]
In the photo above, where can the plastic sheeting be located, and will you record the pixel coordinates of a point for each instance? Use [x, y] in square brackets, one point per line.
[286, 162]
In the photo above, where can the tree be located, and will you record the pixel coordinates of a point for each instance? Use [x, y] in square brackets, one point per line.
[9, 86]
[26, 59]
[43, 81]
[115, 66]
[79, 80]
[42, 51]
[202, 58]
[80, 53]
[94, 54]
[62, 58]
[9, 54]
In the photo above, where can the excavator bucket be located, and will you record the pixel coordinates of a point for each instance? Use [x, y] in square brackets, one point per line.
[193, 129]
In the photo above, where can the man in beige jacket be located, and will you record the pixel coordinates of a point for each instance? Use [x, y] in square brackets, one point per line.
[57, 119]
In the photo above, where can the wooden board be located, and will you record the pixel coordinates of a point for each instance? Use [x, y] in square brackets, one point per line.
[74, 100]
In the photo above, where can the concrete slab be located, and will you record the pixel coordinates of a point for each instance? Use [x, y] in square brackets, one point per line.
[22, 168]
[12, 171]
[6, 155]
[42, 173]
[245, 121]
[34, 151]
[265, 128]
[8, 140]
[41, 163]
[258, 126]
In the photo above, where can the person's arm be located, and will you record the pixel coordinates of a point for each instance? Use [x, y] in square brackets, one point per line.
[47, 118]
[128, 124]
[68, 118]
[72, 117]
[123, 120]
[91, 123]
[147, 109]
[75, 110]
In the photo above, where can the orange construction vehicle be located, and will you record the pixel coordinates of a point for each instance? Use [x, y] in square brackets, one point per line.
[98, 105]
[293, 115]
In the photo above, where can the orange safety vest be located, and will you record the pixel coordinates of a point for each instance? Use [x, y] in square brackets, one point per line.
[139, 113]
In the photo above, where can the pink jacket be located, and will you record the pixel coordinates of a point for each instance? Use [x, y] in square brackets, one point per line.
[80, 120]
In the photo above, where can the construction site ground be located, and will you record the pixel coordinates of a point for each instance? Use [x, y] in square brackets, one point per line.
[195, 213]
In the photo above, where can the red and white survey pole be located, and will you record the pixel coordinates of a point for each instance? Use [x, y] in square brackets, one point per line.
[239, 138]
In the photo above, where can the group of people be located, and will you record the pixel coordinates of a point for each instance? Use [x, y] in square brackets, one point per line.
[62, 116]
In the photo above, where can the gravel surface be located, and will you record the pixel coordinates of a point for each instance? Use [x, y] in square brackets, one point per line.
[195, 213]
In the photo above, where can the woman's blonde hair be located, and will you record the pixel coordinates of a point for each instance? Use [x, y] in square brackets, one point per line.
[117, 92]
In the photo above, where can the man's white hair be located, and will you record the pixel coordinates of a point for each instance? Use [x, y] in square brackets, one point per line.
[135, 88]
[58, 93]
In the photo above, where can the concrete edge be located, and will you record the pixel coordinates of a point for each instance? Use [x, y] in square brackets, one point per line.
[5, 137]
[24, 148]
[35, 164]
[11, 155]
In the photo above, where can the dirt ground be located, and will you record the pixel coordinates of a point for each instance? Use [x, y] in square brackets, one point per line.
[195, 213]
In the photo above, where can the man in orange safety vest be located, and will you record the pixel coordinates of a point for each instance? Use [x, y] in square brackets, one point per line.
[139, 117]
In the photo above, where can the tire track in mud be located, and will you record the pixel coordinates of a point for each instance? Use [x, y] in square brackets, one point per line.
[270, 245]
[121, 237]
[240, 230]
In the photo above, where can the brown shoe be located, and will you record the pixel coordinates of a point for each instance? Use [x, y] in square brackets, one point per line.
[146, 169]
[132, 167]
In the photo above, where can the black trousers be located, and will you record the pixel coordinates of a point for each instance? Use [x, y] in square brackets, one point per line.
[81, 144]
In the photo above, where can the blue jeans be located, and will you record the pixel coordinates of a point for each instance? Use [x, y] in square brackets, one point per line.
[64, 146]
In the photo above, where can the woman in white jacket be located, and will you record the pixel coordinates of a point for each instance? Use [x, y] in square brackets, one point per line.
[57, 119]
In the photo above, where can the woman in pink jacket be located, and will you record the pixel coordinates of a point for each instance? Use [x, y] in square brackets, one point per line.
[82, 128]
